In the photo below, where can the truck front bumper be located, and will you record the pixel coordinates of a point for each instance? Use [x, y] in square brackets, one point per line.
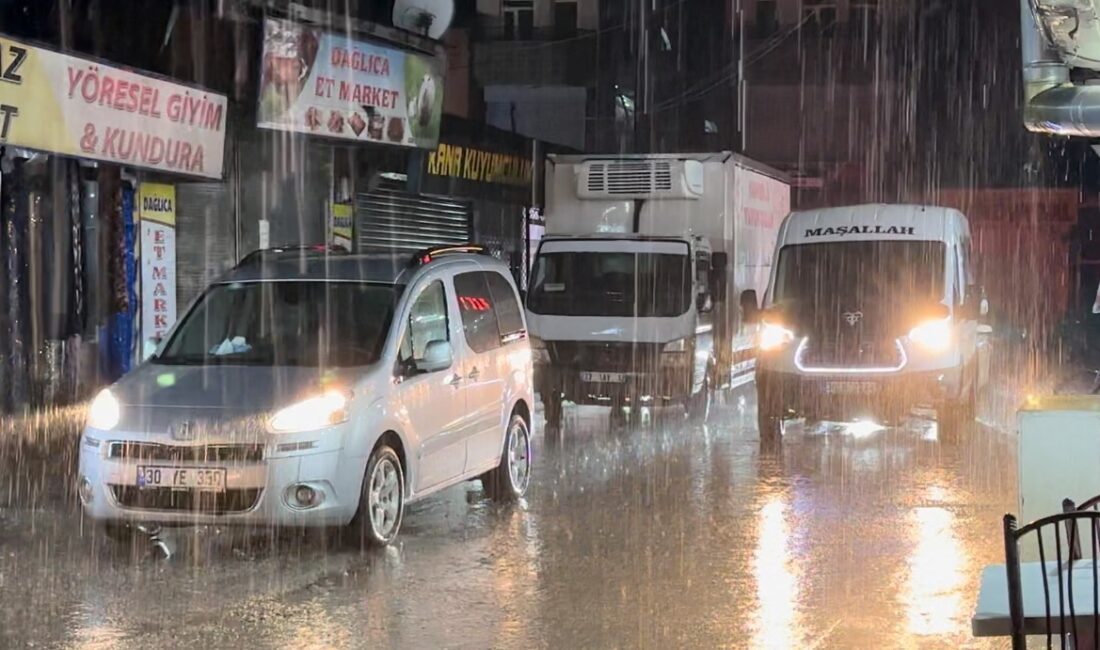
[665, 384]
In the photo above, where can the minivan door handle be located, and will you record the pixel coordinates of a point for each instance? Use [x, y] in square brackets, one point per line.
[474, 374]
[455, 380]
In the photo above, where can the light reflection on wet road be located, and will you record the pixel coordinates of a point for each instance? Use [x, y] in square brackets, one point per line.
[663, 537]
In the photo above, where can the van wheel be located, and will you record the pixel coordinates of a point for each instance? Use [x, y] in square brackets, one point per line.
[769, 418]
[510, 479]
[381, 501]
[954, 417]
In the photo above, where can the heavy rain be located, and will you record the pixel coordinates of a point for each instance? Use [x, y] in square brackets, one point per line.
[549, 323]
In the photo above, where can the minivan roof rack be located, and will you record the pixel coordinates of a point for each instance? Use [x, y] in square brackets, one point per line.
[261, 254]
[429, 254]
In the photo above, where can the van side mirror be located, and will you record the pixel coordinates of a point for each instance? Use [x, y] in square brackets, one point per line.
[438, 355]
[750, 306]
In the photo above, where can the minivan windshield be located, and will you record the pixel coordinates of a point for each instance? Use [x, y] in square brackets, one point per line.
[880, 275]
[573, 283]
[285, 323]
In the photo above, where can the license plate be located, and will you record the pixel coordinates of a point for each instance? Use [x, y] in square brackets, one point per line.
[851, 388]
[604, 377]
[184, 478]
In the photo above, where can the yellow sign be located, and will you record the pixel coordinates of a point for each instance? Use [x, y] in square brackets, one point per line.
[480, 166]
[158, 203]
[341, 223]
[72, 106]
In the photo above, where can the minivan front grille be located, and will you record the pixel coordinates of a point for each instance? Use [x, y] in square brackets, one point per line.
[174, 500]
[148, 451]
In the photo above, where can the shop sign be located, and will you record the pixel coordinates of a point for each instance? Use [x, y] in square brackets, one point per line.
[341, 225]
[157, 215]
[468, 163]
[79, 107]
[340, 87]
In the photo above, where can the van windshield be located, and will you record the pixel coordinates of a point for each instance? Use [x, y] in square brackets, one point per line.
[617, 284]
[865, 275]
[313, 324]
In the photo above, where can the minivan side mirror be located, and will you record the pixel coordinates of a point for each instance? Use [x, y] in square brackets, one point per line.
[437, 356]
[750, 306]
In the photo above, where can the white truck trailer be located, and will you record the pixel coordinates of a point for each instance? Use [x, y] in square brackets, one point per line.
[634, 294]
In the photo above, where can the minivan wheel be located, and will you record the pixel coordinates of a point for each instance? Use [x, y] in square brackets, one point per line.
[381, 502]
[510, 479]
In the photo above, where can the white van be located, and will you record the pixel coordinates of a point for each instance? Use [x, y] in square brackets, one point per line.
[871, 310]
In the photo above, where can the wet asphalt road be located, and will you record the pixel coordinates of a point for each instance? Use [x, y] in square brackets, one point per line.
[662, 537]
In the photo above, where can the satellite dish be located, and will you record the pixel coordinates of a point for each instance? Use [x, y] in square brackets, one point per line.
[429, 18]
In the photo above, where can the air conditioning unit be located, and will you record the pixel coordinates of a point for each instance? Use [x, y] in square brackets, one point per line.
[662, 178]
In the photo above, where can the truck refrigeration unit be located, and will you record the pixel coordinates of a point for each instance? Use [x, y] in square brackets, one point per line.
[633, 297]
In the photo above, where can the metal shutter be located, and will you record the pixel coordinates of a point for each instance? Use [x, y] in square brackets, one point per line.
[390, 219]
[205, 238]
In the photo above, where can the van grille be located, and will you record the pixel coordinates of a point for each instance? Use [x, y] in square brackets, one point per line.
[847, 353]
[633, 177]
[173, 500]
[145, 451]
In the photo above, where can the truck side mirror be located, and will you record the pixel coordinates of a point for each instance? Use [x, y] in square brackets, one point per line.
[704, 303]
[750, 306]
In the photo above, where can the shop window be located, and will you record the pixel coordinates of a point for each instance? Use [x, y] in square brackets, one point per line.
[479, 318]
[519, 19]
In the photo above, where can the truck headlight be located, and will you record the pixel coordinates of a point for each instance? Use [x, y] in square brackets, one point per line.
[679, 345]
[773, 337]
[105, 412]
[933, 335]
[539, 353]
[310, 414]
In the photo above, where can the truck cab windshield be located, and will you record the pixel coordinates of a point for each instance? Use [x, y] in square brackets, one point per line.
[617, 284]
[866, 275]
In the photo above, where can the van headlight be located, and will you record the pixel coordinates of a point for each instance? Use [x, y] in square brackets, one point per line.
[933, 335]
[324, 410]
[773, 337]
[105, 412]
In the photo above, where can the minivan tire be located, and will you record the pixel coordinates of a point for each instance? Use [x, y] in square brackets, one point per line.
[364, 529]
[509, 480]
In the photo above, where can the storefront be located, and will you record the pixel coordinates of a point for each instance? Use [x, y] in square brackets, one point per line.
[82, 140]
[490, 171]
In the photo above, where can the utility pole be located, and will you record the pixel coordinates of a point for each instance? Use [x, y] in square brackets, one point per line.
[642, 96]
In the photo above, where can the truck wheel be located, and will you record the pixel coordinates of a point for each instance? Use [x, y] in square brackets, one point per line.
[698, 406]
[552, 408]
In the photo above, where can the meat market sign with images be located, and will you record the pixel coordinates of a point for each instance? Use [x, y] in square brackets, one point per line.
[335, 86]
[72, 106]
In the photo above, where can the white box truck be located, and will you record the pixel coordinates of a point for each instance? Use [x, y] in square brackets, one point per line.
[633, 298]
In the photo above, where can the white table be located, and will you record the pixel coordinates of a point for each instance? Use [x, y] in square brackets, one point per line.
[992, 618]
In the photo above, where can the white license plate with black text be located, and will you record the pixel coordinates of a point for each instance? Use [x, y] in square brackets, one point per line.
[184, 478]
[604, 377]
[851, 388]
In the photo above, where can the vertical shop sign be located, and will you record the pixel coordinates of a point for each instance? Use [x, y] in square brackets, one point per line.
[341, 225]
[158, 259]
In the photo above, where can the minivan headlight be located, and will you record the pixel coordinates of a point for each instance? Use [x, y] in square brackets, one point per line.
[773, 337]
[324, 410]
[932, 335]
[105, 412]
